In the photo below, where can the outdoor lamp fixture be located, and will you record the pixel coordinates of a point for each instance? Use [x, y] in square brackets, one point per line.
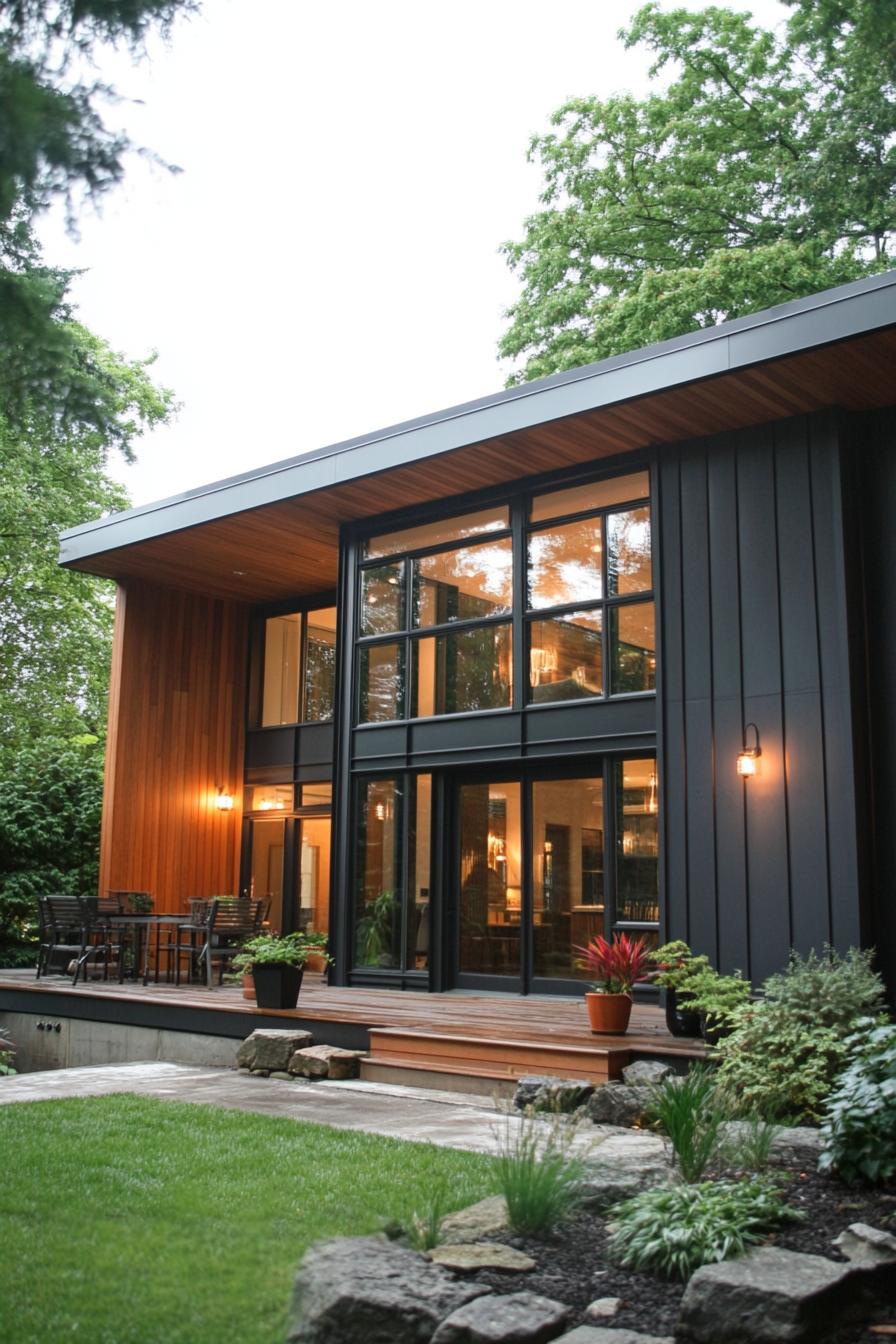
[224, 801]
[747, 758]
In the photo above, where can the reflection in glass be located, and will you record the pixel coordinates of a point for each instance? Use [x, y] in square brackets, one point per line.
[565, 657]
[490, 878]
[280, 694]
[462, 671]
[591, 495]
[382, 599]
[567, 872]
[381, 683]
[633, 650]
[565, 564]
[629, 569]
[268, 798]
[314, 875]
[637, 841]
[463, 584]
[320, 664]
[266, 868]
[419, 876]
[424, 535]
[378, 875]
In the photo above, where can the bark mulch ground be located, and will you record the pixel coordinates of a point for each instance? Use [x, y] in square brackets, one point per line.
[572, 1265]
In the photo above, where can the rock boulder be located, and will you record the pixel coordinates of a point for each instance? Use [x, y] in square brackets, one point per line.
[646, 1072]
[326, 1061]
[270, 1050]
[370, 1289]
[620, 1104]
[517, 1318]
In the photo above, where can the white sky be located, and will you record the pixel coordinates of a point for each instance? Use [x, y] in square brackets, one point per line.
[327, 263]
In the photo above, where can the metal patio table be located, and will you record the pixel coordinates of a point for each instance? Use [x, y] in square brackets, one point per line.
[142, 925]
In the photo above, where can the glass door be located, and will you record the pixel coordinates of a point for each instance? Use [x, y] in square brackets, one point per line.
[490, 884]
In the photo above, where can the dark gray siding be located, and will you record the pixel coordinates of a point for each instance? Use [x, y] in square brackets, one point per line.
[754, 620]
[872, 456]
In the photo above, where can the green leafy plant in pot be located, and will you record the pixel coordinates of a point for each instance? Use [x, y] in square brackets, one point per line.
[276, 964]
[675, 968]
[615, 967]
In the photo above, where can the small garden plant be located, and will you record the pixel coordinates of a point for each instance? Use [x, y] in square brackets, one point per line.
[616, 967]
[787, 1049]
[688, 1110]
[859, 1126]
[7, 1054]
[539, 1174]
[674, 1229]
[268, 949]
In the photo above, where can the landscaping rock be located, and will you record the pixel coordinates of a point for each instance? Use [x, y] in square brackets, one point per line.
[867, 1246]
[282, 1075]
[646, 1072]
[623, 1166]
[619, 1104]
[464, 1257]
[563, 1095]
[590, 1334]
[768, 1296]
[603, 1308]
[478, 1220]
[368, 1288]
[791, 1147]
[517, 1318]
[528, 1088]
[326, 1061]
[267, 1049]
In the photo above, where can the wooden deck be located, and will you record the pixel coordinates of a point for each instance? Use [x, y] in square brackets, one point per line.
[423, 1039]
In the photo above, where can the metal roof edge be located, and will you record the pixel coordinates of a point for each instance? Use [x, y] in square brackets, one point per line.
[820, 319]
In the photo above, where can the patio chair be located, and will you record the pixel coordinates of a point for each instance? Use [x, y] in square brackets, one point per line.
[228, 925]
[72, 925]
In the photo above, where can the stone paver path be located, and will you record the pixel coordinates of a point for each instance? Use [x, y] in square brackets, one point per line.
[450, 1119]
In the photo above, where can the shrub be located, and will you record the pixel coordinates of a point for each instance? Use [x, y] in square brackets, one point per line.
[675, 1229]
[786, 1050]
[747, 1145]
[860, 1115]
[689, 1112]
[539, 1175]
[7, 1053]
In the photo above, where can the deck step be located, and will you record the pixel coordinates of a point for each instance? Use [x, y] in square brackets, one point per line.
[495, 1057]
[439, 1077]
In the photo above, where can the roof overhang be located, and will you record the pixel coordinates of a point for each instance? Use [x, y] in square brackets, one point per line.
[273, 532]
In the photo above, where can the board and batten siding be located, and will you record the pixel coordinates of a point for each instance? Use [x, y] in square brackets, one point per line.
[754, 630]
[176, 711]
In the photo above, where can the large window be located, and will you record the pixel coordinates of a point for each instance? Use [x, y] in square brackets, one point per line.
[391, 851]
[567, 571]
[298, 668]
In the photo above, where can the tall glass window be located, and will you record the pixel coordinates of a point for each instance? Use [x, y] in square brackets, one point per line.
[637, 842]
[567, 872]
[438, 602]
[490, 878]
[298, 668]
[392, 873]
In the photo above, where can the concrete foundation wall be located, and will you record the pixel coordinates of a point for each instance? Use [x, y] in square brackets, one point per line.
[47, 1042]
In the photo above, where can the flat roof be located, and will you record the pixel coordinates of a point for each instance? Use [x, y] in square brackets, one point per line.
[834, 315]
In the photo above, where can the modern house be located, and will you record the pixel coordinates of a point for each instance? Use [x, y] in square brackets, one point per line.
[612, 650]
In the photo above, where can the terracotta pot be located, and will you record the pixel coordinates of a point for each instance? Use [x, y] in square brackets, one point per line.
[609, 1013]
[248, 988]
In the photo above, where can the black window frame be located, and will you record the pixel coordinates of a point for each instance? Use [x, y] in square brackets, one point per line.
[520, 617]
[255, 689]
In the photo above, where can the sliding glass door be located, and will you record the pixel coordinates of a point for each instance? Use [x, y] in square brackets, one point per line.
[544, 865]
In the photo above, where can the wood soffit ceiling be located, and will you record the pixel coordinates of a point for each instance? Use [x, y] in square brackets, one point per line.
[290, 548]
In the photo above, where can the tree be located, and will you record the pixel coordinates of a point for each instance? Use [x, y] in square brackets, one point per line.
[50, 801]
[763, 171]
[55, 144]
[55, 624]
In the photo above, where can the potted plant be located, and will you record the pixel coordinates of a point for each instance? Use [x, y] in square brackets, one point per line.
[317, 951]
[276, 964]
[676, 967]
[615, 967]
[715, 997]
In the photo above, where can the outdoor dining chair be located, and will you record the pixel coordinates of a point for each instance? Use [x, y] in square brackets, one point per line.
[228, 925]
[71, 927]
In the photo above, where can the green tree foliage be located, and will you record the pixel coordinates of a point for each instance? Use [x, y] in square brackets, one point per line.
[762, 170]
[55, 625]
[50, 800]
[54, 144]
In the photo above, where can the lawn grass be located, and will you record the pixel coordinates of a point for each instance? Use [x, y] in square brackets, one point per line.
[127, 1220]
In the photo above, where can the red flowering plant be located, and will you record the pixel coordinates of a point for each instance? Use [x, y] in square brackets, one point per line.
[615, 967]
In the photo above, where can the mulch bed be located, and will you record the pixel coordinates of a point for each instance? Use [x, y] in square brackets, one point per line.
[573, 1267]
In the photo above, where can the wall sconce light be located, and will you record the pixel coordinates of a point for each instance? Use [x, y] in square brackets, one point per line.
[748, 757]
[224, 801]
